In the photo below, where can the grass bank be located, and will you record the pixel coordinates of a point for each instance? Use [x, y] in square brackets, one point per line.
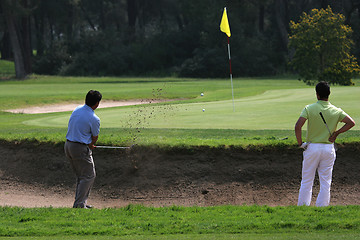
[137, 220]
[243, 236]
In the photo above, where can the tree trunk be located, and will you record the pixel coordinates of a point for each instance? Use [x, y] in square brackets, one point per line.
[282, 21]
[324, 4]
[102, 16]
[69, 26]
[26, 40]
[39, 33]
[15, 40]
[6, 53]
[348, 7]
[261, 18]
[179, 22]
[88, 18]
[132, 16]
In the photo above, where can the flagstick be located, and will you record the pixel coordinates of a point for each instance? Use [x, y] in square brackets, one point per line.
[225, 27]
[232, 88]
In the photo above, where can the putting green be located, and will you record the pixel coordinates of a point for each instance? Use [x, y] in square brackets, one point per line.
[274, 109]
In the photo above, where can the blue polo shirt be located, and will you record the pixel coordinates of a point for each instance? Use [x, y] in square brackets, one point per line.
[83, 124]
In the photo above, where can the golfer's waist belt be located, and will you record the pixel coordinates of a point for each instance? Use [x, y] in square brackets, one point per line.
[76, 142]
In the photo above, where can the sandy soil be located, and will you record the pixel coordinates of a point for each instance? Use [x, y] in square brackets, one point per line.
[37, 175]
[71, 106]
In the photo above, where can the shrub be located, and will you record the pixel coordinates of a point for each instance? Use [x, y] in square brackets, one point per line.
[322, 46]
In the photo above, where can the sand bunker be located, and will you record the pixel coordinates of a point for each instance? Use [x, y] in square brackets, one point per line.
[71, 106]
[39, 175]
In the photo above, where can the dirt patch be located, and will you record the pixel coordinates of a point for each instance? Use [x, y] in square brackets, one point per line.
[71, 106]
[36, 175]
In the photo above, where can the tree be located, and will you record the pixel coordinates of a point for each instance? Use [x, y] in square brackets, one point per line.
[15, 39]
[169, 36]
[322, 46]
[16, 15]
[281, 14]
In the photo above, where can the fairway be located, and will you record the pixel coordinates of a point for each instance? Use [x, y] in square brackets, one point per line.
[273, 109]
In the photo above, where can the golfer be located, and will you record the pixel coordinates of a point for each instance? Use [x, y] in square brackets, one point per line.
[82, 134]
[319, 151]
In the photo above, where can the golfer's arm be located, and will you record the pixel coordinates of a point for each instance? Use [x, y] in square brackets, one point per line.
[349, 123]
[298, 126]
[94, 139]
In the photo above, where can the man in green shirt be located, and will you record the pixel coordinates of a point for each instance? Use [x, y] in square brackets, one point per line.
[319, 148]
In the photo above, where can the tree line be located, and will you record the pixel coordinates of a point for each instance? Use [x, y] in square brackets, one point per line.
[156, 37]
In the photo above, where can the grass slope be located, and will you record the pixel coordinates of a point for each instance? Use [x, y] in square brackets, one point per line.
[147, 221]
[242, 236]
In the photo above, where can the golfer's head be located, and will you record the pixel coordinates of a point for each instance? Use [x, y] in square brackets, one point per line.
[93, 98]
[322, 90]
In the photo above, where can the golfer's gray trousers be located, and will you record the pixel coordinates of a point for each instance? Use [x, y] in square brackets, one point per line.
[81, 160]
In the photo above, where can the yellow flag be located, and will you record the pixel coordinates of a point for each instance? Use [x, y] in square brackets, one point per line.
[224, 25]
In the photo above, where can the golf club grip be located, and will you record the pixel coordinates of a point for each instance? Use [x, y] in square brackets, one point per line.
[322, 117]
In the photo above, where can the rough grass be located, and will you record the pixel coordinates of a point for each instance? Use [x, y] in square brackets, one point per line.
[7, 69]
[137, 220]
[242, 236]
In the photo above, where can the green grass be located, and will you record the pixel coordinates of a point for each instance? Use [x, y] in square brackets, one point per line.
[243, 236]
[265, 110]
[137, 220]
[53, 89]
[273, 109]
[7, 68]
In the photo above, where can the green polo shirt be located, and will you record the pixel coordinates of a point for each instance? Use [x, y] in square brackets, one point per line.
[316, 128]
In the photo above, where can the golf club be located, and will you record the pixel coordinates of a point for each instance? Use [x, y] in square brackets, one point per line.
[327, 128]
[325, 123]
[114, 147]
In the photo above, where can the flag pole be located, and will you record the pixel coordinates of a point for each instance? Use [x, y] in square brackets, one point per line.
[232, 88]
[225, 27]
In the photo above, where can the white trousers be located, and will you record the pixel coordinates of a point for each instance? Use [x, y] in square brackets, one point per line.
[320, 157]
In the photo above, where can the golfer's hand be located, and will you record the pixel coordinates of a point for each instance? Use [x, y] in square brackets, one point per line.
[333, 137]
[91, 146]
[304, 145]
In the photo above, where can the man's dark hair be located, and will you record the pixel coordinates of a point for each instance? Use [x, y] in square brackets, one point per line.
[92, 97]
[323, 90]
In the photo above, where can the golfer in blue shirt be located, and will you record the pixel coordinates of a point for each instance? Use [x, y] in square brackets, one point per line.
[82, 134]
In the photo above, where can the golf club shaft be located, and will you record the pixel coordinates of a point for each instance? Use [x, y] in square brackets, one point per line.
[112, 147]
[325, 123]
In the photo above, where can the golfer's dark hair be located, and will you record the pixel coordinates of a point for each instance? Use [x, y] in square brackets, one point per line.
[323, 90]
[92, 97]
